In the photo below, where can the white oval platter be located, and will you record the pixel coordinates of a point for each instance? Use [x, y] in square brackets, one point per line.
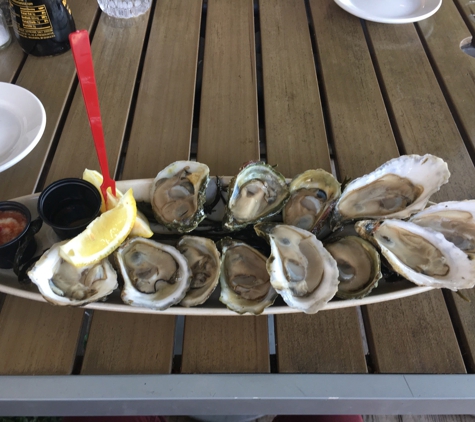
[212, 307]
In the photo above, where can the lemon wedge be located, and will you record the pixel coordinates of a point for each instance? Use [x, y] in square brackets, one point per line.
[103, 235]
[94, 177]
[141, 227]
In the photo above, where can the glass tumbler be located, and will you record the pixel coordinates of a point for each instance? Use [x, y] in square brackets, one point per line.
[5, 36]
[124, 8]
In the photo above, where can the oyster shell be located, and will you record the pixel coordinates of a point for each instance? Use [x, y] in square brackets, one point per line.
[312, 198]
[397, 189]
[359, 266]
[420, 254]
[244, 280]
[156, 276]
[61, 283]
[204, 261]
[257, 192]
[178, 194]
[454, 219]
[301, 270]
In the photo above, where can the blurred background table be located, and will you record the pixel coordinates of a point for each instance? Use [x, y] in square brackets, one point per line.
[301, 84]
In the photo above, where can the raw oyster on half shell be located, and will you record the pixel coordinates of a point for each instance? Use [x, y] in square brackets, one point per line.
[359, 266]
[454, 219]
[244, 280]
[397, 189]
[178, 194]
[420, 254]
[257, 192]
[156, 275]
[312, 197]
[204, 261]
[301, 270]
[61, 283]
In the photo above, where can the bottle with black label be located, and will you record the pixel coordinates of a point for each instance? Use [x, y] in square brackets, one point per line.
[42, 27]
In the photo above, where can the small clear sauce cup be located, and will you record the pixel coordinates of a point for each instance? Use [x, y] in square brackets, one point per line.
[68, 206]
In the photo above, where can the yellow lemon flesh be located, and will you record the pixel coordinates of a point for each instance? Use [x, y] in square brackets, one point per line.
[141, 226]
[103, 235]
[94, 177]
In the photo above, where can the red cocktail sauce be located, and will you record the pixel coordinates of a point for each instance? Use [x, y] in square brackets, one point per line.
[12, 223]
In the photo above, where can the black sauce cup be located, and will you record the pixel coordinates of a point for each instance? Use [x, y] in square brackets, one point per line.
[69, 205]
[8, 250]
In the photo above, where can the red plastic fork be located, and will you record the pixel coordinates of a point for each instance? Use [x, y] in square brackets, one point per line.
[81, 49]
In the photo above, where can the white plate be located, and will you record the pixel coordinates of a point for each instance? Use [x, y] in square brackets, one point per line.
[46, 237]
[391, 11]
[22, 123]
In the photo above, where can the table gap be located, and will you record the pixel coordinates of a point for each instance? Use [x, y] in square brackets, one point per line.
[322, 91]
[82, 341]
[368, 347]
[382, 88]
[272, 346]
[459, 334]
[19, 69]
[198, 83]
[178, 344]
[445, 92]
[64, 115]
[133, 103]
[260, 84]
[2, 300]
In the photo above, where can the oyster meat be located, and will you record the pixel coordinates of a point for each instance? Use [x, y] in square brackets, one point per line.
[359, 266]
[61, 283]
[204, 261]
[178, 194]
[397, 189]
[312, 197]
[301, 270]
[420, 254]
[244, 280]
[454, 219]
[156, 275]
[256, 193]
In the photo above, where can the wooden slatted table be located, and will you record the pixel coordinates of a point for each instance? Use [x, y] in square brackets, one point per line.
[301, 84]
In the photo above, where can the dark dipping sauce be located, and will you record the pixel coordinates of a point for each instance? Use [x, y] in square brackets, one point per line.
[72, 213]
[12, 224]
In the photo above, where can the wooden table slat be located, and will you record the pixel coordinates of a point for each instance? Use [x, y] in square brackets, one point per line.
[123, 343]
[328, 342]
[295, 129]
[228, 128]
[37, 338]
[228, 136]
[413, 335]
[10, 61]
[225, 345]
